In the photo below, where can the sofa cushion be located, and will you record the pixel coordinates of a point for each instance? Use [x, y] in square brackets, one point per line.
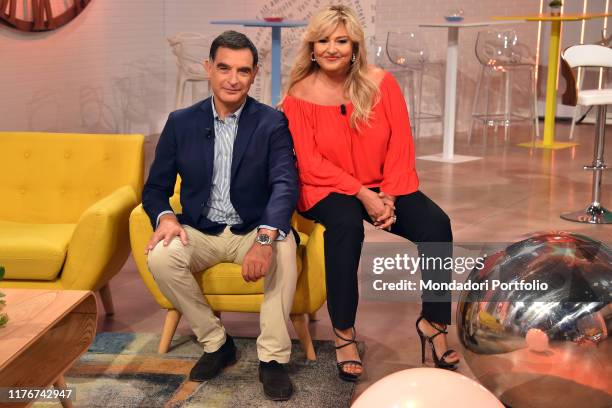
[52, 178]
[33, 251]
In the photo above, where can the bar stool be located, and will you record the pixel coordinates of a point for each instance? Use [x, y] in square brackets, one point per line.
[410, 61]
[578, 115]
[191, 50]
[377, 55]
[590, 55]
[501, 54]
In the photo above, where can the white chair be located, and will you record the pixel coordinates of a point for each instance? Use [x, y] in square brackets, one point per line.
[591, 56]
[500, 55]
[579, 114]
[191, 50]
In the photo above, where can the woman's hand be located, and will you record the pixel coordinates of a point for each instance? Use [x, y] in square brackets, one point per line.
[373, 204]
[388, 218]
[388, 199]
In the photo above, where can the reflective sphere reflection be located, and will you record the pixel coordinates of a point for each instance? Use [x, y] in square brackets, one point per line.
[548, 348]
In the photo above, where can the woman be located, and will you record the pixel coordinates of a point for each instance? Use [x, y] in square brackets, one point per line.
[356, 161]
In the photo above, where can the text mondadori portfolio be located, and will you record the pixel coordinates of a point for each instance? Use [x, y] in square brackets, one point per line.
[493, 284]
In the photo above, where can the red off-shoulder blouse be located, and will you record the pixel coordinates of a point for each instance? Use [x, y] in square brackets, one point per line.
[333, 157]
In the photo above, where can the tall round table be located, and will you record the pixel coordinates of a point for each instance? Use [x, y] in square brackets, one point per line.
[450, 92]
[548, 142]
[276, 46]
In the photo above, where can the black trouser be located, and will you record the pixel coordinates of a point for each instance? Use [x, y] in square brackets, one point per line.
[419, 219]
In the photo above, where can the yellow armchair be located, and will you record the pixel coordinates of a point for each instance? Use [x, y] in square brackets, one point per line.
[65, 201]
[226, 291]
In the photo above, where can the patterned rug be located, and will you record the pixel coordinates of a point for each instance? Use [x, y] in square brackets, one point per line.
[125, 370]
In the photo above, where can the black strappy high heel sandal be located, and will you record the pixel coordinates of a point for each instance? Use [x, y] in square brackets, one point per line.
[439, 362]
[346, 376]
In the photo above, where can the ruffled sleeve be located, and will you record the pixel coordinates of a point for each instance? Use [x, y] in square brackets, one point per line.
[399, 173]
[314, 169]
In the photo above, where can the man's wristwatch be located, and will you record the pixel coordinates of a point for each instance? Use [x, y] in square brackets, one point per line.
[263, 239]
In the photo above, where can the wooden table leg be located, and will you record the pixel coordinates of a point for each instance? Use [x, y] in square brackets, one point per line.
[60, 384]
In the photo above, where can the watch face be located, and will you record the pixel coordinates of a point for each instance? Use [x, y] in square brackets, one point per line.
[40, 15]
[263, 239]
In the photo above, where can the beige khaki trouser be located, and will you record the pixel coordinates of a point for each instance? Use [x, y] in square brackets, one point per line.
[173, 267]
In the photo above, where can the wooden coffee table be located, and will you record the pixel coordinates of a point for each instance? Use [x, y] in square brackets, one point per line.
[47, 331]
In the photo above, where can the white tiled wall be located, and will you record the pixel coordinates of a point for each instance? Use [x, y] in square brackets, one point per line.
[111, 70]
[100, 73]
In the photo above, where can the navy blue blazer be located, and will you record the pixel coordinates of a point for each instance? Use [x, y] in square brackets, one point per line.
[264, 181]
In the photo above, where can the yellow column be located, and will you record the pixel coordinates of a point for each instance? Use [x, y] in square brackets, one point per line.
[551, 84]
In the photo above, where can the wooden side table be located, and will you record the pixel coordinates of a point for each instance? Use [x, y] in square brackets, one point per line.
[47, 332]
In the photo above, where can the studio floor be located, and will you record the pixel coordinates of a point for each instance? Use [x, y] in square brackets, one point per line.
[510, 193]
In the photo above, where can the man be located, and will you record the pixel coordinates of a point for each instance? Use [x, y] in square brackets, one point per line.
[238, 191]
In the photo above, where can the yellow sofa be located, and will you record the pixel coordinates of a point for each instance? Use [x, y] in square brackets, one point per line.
[65, 201]
[226, 291]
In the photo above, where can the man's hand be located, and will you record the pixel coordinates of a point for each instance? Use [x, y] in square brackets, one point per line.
[168, 228]
[256, 262]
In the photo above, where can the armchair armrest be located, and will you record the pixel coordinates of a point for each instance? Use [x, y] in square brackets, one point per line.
[311, 292]
[99, 246]
[140, 233]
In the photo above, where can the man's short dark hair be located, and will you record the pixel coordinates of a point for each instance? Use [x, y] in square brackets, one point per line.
[235, 41]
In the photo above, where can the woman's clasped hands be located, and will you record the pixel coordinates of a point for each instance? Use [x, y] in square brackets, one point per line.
[380, 207]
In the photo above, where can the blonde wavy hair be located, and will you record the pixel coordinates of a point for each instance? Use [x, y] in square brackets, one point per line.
[360, 89]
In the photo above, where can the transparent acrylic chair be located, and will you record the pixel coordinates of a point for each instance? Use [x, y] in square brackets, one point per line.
[501, 56]
[377, 55]
[191, 50]
[409, 58]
